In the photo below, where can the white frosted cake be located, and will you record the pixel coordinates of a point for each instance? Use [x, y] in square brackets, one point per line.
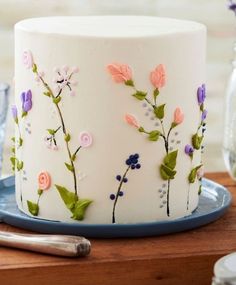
[110, 118]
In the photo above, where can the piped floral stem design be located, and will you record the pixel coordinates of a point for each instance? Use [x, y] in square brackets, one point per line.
[196, 143]
[63, 80]
[26, 105]
[132, 163]
[56, 99]
[122, 73]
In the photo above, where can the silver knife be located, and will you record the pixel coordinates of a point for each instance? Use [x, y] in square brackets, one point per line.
[61, 245]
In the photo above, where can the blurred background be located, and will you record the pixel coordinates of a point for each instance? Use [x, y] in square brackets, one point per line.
[220, 22]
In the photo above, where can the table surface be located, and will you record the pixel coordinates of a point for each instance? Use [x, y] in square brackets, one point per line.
[183, 258]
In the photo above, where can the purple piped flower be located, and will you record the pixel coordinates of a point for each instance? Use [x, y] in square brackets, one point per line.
[204, 115]
[26, 99]
[14, 112]
[232, 6]
[201, 94]
[188, 149]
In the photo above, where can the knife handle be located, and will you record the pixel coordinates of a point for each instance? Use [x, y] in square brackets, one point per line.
[61, 245]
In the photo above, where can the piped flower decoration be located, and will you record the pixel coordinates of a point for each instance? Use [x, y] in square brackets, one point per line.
[131, 120]
[121, 73]
[158, 76]
[27, 59]
[201, 94]
[85, 139]
[44, 180]
[26, 99]
[63, 79]
[188, 150]
[232, 6]
[178, 116]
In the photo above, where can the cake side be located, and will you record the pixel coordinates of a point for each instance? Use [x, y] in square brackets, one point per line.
[82, 99]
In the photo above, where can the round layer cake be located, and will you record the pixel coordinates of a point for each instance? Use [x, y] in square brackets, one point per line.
[110, 118]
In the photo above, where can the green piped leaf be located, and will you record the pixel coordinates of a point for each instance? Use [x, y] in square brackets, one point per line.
[69, 198]
[170, 159]
[34, 68]
[76, 207]
[166, 172]
[69, 167]
[80, 209]
[67, 137]
[160, 111]
[193, 174]
[13, 160]
[48, 94]
[24, 114]
[56, 100]
[13, 139]
[140, 95]
[141, 130]
[154, 136]
[200, 190]
[20, 141]
[51, 132]
[19, 165]
[33, 208]
[173, 125]
[196, 141]
[73, 157]
[129, 83]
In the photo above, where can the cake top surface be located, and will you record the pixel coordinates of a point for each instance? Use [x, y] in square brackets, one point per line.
[108, 26]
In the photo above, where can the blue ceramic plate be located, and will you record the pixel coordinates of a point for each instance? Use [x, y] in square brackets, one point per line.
[214, 201]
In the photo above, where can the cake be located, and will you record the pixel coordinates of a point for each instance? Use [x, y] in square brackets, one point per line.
[110, 118]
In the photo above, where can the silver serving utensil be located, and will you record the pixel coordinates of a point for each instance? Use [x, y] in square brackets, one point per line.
[61, 245]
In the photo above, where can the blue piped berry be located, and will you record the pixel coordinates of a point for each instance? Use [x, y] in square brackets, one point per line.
[118, 177]
[121, 193]
[135, 161]
[125, 180]
[112, 196]
[136, 156]
[128, 162]
[133, 166]
[138, 166]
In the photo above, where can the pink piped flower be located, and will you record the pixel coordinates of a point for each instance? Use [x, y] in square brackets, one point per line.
[85, 139]
[63, 79]
[131, 120]
[200, 172]
[44, 180]
[120, 72]
[158, 76]
[27, 59]
[178, 116]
